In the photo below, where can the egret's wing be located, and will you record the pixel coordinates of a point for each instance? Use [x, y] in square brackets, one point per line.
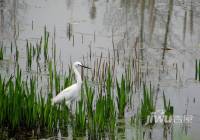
[64, 94]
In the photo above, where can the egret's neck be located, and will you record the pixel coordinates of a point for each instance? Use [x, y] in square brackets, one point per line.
[78, 76]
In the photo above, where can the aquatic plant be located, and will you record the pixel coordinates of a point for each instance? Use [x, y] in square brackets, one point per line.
[1, 53]
[16, 54]
[89, 100]
[29, 54]
[169, 110]
[122, 96]
[22, 108]
[38, 50]
[56, 80]
[197, 70]
[79, 123]
[101, 118]
[147, 104]
[45, 43]
[50, 69]
[104, 116]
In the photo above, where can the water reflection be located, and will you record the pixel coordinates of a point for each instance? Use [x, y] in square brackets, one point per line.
[2, 5]
[8, 18]
[69, 3]
[93, 10]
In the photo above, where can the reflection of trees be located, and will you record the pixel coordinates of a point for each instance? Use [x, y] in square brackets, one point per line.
[93, 10]
[69, 3]
[2, 5]
[8, 17]
[126, 3]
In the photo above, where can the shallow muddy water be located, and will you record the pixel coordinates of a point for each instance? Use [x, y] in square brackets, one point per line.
[168, 44]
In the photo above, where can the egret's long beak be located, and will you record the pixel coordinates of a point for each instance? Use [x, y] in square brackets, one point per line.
[85, 67]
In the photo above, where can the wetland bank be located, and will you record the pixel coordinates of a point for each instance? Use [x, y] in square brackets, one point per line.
[144, 56]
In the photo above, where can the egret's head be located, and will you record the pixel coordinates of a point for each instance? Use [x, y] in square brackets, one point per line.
[79, 64]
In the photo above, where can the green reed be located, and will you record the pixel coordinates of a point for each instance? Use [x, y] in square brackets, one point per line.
[57, 80]
[69, 79]
[50, 69]
[101, 117]
[169, 110]
[1, 53]
[29, 54]
[38, 50]
[122, 96]
[147, 104]
[16, 54]
[89, 100]
[197, 70]
[22, 107]
[46, 42]
[79, 123]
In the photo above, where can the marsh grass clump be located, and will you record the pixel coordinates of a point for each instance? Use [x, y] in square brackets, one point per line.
[147, 105]
[169, 110]
[21, 108]
[1, 53]
[79, 123]
[103, 117]
[101, 113]
[89, 100]
[122, 96]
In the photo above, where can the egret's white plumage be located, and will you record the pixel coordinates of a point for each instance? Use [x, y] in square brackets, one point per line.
[70, 93]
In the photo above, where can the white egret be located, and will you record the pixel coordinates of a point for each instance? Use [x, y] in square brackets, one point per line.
[71, 93]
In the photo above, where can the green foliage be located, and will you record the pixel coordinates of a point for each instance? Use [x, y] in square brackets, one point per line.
[169, 110]
[197, 70]
[104, 115]
[79, 124]
[21, 108]
[147, 104]
[122, 96]
[57, 80]
[29, 51]
[89, 100]
[46, 41]
[68, 79]
[1, 53]
[101, 118]
[50, 76]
